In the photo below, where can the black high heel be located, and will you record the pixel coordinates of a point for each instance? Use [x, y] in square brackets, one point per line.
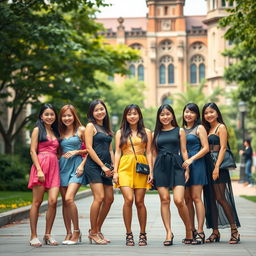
[213, 238]
[129, 239]
[200, 238]
[169, 242]
[194, 233]
[143, 239]
[234, 239]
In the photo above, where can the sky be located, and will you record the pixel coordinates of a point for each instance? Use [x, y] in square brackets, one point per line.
[138, 8]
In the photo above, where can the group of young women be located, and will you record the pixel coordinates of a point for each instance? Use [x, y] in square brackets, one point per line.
[67, 155]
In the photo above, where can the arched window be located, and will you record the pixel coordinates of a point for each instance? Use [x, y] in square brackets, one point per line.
[166, 45]
[162, 74]
[132, 70]
[170, 74]
[167, 100]
[141, 72]
[193, 78]
[136, 46]
[201, 72]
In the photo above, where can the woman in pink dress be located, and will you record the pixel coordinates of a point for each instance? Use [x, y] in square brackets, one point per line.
[44, 174]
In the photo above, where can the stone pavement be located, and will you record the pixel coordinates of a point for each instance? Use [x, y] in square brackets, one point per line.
[14, 238]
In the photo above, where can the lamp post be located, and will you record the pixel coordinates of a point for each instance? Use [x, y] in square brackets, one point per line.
[242, 109]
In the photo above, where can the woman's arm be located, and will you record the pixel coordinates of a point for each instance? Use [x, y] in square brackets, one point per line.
[33, 153]
[183, 149]
[154, 153]
[223, 135]
[149, 155]
[204, 149]
[118, 154]
[89, 133]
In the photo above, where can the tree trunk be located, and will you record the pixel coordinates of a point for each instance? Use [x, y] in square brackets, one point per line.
[8, 148]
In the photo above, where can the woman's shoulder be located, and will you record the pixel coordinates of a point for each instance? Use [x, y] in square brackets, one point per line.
[147, 130]
[81, 128]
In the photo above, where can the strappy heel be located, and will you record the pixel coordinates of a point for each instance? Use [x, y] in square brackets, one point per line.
[213, 238]
[129, 239]
[194, 233]
[234, 239]
[95, 238]
[169, 242]
[35, 242]
[49, 240]
[143, 239]
[79, 240]
[200, 238]
[67, 238]
[103, 238]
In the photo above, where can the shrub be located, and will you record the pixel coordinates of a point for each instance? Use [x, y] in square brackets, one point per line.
[13, 173]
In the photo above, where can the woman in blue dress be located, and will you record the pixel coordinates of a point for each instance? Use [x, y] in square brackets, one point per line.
[197, 147]
[71, 169]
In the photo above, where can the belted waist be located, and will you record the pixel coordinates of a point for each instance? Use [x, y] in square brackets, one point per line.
[214, 147]
[47, 152]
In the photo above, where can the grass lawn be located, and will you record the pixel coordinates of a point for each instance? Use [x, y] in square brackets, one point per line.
[14, 199]
[251, 198]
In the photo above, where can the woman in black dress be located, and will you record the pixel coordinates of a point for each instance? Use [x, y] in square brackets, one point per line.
[169, 143]
[98, 137]
[219, 200]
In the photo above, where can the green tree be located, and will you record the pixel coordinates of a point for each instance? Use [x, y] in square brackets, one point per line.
[51, 49]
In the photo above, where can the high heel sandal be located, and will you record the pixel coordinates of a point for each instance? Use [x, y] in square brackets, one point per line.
[49, 240]
[234, 239]
[200, 238]
[35, 242]
[95, 238]
[129, 239]
[143, 239]
[79, 240]
[194, 233]
[169, 242]
[67, 238]
[213, 238]
[103, 238]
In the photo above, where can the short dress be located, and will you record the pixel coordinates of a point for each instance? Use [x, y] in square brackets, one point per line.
[101, 144]
[68, 166]
[127, 175]
[168, 171]
[47, 157]
[216, 215]
[197, 174]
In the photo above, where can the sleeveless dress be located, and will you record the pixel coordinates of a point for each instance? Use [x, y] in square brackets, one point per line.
[218, 216]
[168, 171]
[101, 143]
[127, 175]
[68, 166]
[197, 174]
[47, 157]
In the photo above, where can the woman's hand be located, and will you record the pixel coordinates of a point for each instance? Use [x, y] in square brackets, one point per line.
[79, 171]
[150, 178]
[40, 176]
[215, 173]
[186, 175]
[187, 163]
[115, 178]
[70, 153]
[107, 171]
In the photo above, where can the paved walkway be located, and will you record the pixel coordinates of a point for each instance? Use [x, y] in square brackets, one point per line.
[14, 238]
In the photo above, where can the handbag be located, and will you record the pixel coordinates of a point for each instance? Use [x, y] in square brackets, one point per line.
[228, 160]
[103, 174]
[140, 167]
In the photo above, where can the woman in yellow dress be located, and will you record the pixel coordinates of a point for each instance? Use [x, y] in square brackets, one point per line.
[133, 185]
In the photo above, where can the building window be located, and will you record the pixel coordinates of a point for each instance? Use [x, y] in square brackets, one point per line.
[197, 69]
[201, 72]
[136, 46]
[167, 100]
[141, 72]
[170, 74]
[197, 46]
[193, 78]
[166, 70]
[166, 45]
[223, 3]
[162, 74]
[132, 70]
[213, 4]
[166, 10]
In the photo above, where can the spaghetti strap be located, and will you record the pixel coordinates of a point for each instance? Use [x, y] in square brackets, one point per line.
[217, 128]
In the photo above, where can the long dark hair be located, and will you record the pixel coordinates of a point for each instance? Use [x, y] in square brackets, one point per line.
[159, 125]
[106, 123]
[194, 108]
[125, 126]
[206, 124]
[41, 126]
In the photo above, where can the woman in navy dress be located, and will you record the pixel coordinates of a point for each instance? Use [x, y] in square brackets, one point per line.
[197, 147]
[169, 150]
[218, 195]
[98, 137]
[71, 169]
